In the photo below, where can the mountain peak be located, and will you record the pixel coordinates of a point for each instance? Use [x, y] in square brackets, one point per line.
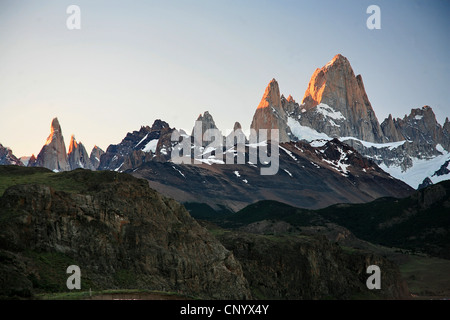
[270, 113]
[337, 59]
[53, 154]
[55, 129]
[336, 88]
[290, 99]
[271, 96]
[73, 144]
[55, 126]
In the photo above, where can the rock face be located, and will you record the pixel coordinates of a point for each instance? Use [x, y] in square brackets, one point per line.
[422, 127]
[391, 129]
[8, 158]
[203, 138]
[237, 136]
[95, 156]
[121, 234]
[336, 103]
[295, 268]
[149, 143]
[270, 113]
[53, 154]
[78, 156]
[424, 139]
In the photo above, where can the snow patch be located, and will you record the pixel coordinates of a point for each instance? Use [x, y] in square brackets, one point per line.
[288, 152]
[288, 172]
[256, 145]
[252, 164]
[390, 145]
[118, 168]
[304, 132]
[329, 112]
[211, 160]
[339, 165]
[179, 171]
[151, 146]
[142, 140]
[420, 169]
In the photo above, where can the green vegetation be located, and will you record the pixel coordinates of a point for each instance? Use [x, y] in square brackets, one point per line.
[50, 273]
[205, 212]
[76, 181]
[416, 223]
[427, 276]
[125, 278]
[93, 294]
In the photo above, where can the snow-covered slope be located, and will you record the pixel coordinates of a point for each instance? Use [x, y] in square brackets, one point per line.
[419, 168]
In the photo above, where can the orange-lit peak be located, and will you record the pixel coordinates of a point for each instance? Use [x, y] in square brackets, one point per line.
[55, 125]
[339, 58]
[271, 96]
[73, 144]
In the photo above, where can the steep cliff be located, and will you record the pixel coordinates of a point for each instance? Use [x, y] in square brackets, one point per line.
[53, 154]
[121, 233]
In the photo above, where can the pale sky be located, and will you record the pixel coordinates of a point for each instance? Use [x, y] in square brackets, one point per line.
[136, 61]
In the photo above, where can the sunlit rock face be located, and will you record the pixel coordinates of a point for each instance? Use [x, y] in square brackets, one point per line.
[53, 154]
[336, 103]
[270, 113]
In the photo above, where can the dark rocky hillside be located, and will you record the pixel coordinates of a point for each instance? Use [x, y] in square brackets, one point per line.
[124, 235]
[121, 233]
[310, 267]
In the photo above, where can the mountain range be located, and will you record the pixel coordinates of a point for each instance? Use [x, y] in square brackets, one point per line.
[342, 197]
[414, 149]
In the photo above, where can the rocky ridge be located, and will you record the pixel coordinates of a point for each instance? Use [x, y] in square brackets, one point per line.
[147, 144]
[53, 154]
[335, 105]
[8, 158]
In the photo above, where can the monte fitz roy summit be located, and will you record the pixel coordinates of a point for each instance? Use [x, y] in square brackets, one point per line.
[332, 149]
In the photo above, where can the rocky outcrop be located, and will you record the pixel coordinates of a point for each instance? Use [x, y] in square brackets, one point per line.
[149, 143]
[446, 126]
[421, 139]
[32, 161]
[53, 154]
[201, 135]
[78, 156]
[270, 113]
[8, 158]
[391, 130]
[235, 137]
[309, 268]
[422, 127]
[95, 156]
[121, 234]
[336, 103]
[425, 183]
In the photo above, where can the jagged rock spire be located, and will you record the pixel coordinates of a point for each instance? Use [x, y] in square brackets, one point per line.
[53, 154]
[269, 114]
